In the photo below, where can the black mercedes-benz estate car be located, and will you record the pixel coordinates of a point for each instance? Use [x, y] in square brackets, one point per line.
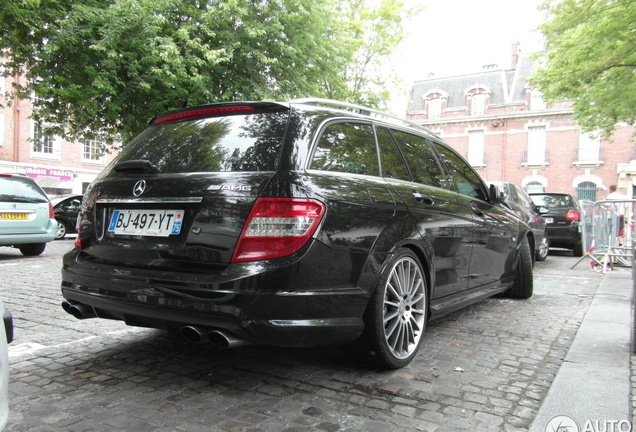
[292, 224]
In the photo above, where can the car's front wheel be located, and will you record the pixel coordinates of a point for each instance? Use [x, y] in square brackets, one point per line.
[396, 315]
[544, 248]
[32, 249]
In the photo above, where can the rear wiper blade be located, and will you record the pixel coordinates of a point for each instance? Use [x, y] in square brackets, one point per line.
[137, 165]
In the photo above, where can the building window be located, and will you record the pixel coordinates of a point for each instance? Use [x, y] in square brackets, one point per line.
[586, 191]
[536, 153]
[435, 108]
[536, 100]
[1, 128]
[44, 145]
[3, 81]
[589, 148]
[476, 148]
[535, 187]
[93, 152]
[478, 104]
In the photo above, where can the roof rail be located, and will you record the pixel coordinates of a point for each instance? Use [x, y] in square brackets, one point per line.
[360, 109]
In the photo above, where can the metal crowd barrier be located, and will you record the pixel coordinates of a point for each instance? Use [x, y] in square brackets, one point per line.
[607, 228]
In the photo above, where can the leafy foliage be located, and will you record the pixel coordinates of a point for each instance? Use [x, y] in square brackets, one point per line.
[102, 68]
[590, 59]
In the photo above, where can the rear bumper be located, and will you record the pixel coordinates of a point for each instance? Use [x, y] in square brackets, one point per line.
[564, 236]
[15, 239]
[257, 307]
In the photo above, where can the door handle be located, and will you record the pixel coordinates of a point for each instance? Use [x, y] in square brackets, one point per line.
[423, 198]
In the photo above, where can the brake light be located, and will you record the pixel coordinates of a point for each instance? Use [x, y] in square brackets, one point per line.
[572, 215]
[185, 115]
[277, 227]
[51, 211]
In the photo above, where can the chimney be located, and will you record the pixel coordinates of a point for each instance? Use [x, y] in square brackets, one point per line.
[515, 54]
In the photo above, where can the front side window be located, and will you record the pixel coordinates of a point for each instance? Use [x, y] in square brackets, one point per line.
[420, 158]
[464, 178]
[347, 147]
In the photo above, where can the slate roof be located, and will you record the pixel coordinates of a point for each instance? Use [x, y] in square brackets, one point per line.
[507, 86]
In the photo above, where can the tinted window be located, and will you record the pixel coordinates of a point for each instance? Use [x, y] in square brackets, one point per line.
[420, 159]
[233, 143]
[465, 180]
[392, 162]
[347, 147]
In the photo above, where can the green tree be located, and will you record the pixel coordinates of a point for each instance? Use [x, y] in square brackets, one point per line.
[590, 59]
[103, 68]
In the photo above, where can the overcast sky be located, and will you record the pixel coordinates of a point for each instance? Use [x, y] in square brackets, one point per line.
[452, 37]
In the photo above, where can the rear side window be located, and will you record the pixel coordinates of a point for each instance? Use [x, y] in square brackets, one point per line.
[234, 143]
[347, 147]
[20, 189]
[420, 159]
[392, 162]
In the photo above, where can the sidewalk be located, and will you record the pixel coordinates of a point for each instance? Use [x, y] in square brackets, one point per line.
[594, 382]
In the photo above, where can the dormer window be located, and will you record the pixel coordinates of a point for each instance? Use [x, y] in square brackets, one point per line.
[536, 100]
[435, 103]
[478, 104]
[477, 98]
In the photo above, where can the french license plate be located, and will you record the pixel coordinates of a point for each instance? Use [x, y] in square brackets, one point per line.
[549, 220]
[153, 223]
[14, 216]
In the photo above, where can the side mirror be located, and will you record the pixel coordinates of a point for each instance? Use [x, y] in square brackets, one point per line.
[544, 210]
[496, 194]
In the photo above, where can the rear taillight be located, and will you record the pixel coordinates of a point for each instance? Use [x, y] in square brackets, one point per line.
[277, 227]
[51, 211]
[572, 215]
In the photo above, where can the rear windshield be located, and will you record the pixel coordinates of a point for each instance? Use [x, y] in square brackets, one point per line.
[234, 143]
[553, 201]
[20, 189]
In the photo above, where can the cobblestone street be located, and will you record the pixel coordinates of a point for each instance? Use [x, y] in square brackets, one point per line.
[485, 368]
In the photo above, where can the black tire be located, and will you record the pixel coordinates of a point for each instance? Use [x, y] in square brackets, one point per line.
[577, 250]
[544, 248]
[523, 283]
[61, 230]
[32, 249]
[395, 318]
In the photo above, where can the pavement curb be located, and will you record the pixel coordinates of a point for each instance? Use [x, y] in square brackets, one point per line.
[594, 381]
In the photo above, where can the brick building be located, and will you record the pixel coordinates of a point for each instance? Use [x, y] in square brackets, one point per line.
[59, 166]
[507, 132]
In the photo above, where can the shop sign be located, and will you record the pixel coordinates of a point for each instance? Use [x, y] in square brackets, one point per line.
[49, 173]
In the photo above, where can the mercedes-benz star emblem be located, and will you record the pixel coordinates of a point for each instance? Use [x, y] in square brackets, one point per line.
[139, 188]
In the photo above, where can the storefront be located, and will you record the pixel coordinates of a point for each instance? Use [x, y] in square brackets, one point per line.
[55, 180]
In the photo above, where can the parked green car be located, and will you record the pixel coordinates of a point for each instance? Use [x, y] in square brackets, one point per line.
[27, 219]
